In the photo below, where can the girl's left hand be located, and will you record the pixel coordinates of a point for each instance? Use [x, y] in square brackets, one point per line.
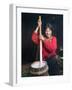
[42, 37]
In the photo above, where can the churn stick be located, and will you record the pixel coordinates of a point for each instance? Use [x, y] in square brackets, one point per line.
[40, 32]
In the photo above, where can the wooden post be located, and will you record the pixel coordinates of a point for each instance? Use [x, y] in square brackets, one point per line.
[40, 32]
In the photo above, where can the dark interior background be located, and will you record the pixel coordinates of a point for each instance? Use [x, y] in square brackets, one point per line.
[29, 23]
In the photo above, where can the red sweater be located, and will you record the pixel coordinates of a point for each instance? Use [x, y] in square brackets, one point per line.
[48, 47]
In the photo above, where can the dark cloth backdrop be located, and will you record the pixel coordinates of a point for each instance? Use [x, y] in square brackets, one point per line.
[28, 25]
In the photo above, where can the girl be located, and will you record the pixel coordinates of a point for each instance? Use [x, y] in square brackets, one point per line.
[48, 48]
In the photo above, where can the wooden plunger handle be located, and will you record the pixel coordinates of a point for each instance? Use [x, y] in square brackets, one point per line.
[40, 32]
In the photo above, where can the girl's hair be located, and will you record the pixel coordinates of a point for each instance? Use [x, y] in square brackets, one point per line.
[48, 25]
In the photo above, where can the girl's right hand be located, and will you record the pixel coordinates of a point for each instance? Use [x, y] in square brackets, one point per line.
[39, 23]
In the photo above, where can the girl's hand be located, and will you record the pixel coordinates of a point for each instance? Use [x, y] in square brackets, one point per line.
[39, 23]
[42, 37]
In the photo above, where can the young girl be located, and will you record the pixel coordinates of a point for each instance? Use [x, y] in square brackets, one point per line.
[48, 48]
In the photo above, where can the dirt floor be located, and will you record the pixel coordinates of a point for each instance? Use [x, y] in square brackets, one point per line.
[26, 69]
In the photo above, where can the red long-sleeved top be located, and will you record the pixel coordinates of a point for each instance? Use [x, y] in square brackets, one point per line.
[48, 47]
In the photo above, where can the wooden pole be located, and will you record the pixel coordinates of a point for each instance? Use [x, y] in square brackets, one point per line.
[40, 32]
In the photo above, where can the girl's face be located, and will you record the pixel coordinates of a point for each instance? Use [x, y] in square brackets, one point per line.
[48, 32]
